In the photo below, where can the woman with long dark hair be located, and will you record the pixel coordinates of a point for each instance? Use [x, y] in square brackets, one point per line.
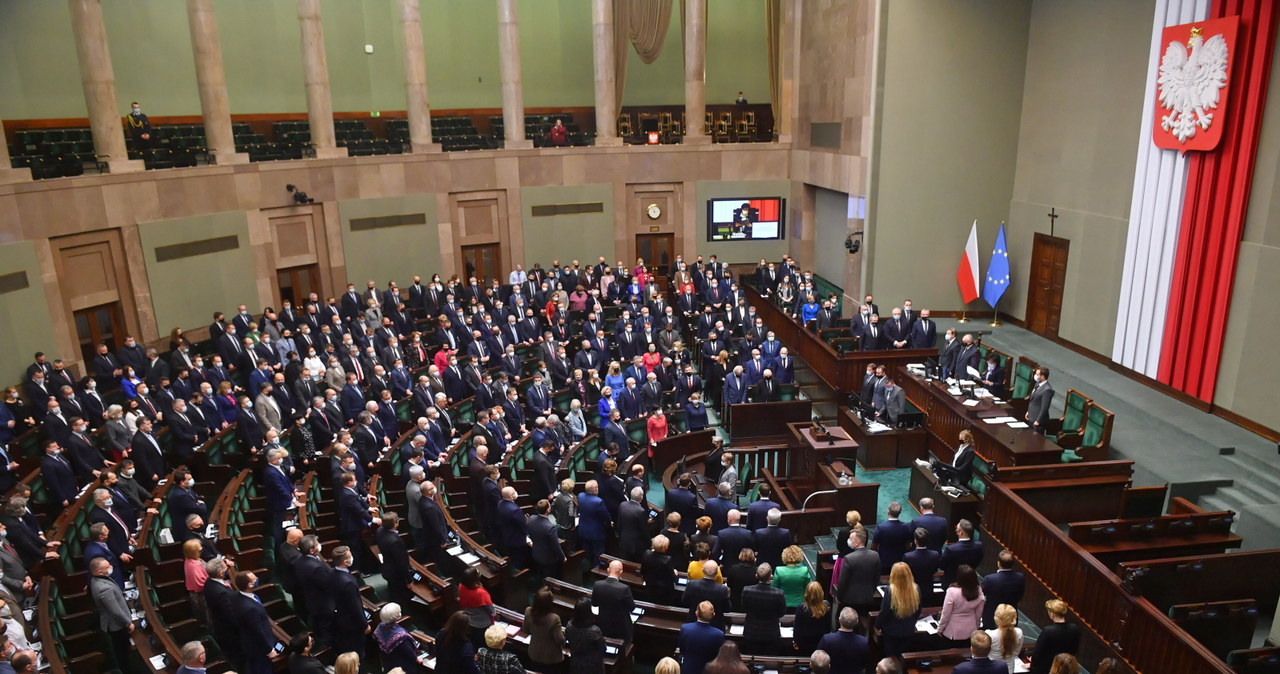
[962, 608]
[586, 641]
[454, 651]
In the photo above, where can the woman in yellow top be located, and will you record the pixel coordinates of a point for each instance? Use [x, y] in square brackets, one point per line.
[701, 553]
[793, 576]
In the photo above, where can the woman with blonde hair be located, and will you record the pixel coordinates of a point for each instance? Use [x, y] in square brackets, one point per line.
[1006, 638]
[347, 663]
[667, 666]
[493, 659]
[116, 433]
[194, 572]
[1059, 636]
[853, 522]
[1065, 663]
[899, 611]
[793, 577]
[813, 618]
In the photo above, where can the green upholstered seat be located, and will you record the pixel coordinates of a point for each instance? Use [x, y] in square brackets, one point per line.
[1073, 416]
[1022, 379]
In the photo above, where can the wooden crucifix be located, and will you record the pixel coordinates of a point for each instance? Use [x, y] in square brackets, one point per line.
[1053, 219]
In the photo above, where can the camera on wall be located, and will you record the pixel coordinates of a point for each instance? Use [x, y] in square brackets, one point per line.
[853, 245]
[299, 197]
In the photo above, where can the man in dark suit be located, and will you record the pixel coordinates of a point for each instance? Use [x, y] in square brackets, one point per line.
[964, 551]
[897, 330]
[119, 532]
[924, 332]
[224, 615]
[757, 513]
[396, 568]
[873, 337]
[764, 605]
[548, 556]
[183, 499]
[936, 525]
[893, 538]
[249, 434]
[980, 663]
[254, 626]
[1038, 401]
[706, 589]
[349, 624]
[772, 539]
[280, 493]
[513, 527]
[766, 390]
[183, 437]
[633, 526]
[315, 586]
[966, 357]
[147, 455]
[683, 500]
[613, 599]
[57, 474]
[845, 646]
[924, 564]
[658, 572]
[734, 537]
[615, 433]
[699, 640]
[1005, 586]
[353, 519]
[545, 483]
[859, 575]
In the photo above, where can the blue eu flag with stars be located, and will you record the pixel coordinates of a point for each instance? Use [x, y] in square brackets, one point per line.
[997, 271]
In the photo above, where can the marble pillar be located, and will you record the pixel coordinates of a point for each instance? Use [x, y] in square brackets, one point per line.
[315, 69]
[512, 85]
[695, 72]
[212, 83]
[415, 78]
[602, 48]
[99, 81]
[788, 70]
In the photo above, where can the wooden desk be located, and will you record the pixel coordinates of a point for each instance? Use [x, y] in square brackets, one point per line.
[668, 452]
[894, 448]
[997, 443]
[954, 509]
[809, 449]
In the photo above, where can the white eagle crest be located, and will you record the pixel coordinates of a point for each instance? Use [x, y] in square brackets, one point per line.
[1190, 83]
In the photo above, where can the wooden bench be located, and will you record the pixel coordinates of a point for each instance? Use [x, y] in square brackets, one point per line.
[1205, 578]
[1221, 626]
[1120, 540]
[1091, 490]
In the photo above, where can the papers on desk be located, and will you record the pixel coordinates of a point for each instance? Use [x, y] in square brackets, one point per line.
[522, 638]
[736, 630]
[1020, 666]
[954, 390]
[427, 661]
[1017, 424]
[970, 403]
[469, 559]
[1000, 420]
[982, 393]
[968, 383]
[874, 427]
[455, 550]
[927, 625]
[420, 600]
[787, 632]
[157, 662]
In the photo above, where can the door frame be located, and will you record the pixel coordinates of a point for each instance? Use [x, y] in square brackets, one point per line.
[653, 263]
[481, 278]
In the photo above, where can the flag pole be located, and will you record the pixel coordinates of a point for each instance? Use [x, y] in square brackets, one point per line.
[963, 318]
[995, 318]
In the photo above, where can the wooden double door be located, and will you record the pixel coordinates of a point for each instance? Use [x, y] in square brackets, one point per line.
[1048, 279]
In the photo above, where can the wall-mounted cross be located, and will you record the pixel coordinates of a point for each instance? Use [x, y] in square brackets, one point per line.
[1053, 219]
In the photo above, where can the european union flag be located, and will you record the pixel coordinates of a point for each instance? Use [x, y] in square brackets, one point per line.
[997, 271]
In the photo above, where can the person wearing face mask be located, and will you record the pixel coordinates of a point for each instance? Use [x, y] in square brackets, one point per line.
[127, 484]
[1038, 401]
[253, 625]
[86, 460]
[57, 475]
[114, 617]
[183, 499]
[119, 537]
[249, 434]
[139, 128]
[97, 546]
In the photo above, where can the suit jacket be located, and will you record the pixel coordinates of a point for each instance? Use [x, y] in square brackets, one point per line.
[659, 575]
[859, 576]
[896, 330]
[613, 599]
[764, 605]
[254, 627]
[353, 516]
[279, 489]
[314, 584]
[733, 540]
[849, 649]
[685, 502]
[707, 589]
[965, 358]
[892, 540]
[873, 339]
[182, 503]
[924, 563]
[182, 434]
[1055, 638]
[1001, 587]
[348, 610]
[1038, 404]
[767, 391]
[699, 644]
[770, 542]
[546, 542]
[544, 475]
[633, 529]
[961, 552]
[511, 522]
[937, 527]
[758, 512]
[924, 334]
[58, 476]
[117, 533]
[113, 612]
[981, 666]
[894, 402]
[395, 557]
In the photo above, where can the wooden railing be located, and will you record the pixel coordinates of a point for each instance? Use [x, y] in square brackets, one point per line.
[1133, 629]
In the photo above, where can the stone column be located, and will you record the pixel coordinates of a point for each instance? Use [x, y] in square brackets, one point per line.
[212, 82]
[8, 175]
[512, 85]
[695, 72]
[315, 68]
[99, 81]
[788, 71]
[415, 78]
[602, 47]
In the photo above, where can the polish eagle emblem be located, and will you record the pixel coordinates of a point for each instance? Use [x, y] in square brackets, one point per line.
[1190, 83]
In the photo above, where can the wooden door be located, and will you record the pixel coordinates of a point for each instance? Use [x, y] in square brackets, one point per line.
[657, 250]
[483, 262]
[297, 283]
[95, 325]
[1048, 277]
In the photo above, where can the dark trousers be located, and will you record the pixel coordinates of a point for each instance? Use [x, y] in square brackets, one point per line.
[353, 540]
[594, 548]
[121, 646]
[348, 641]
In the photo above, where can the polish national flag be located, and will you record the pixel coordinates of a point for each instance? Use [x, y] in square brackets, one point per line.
[967, 274]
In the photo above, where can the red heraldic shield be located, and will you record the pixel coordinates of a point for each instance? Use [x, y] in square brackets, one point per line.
[1192, 83]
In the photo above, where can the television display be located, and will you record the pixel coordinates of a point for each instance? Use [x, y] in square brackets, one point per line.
[746, 219]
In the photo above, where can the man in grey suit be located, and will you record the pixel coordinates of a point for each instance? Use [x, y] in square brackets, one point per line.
[894, 401]
[1038, 401]
[859, 575]
[113, 613]
[267, 409]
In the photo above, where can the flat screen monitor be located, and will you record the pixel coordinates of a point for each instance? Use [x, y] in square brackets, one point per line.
[746, 219]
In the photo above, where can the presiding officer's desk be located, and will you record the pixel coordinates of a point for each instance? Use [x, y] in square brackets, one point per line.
[894, 448]
[997, 443]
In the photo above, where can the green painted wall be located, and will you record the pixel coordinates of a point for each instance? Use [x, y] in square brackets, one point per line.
[952, 96]
[34, 332]
[366, 250]
[742, 251]
[151, 56]
[205, 277]
[584, 236]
